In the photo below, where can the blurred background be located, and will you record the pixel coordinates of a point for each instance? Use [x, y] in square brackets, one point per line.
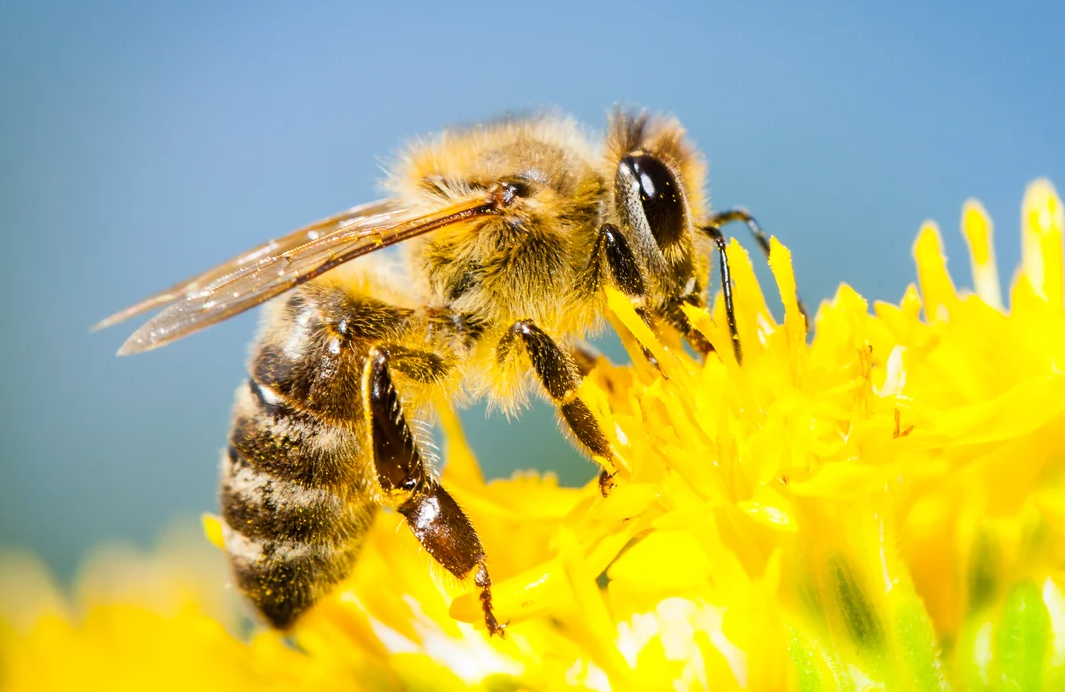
[143, 142]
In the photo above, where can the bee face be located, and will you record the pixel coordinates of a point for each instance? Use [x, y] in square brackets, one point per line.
[657, 182]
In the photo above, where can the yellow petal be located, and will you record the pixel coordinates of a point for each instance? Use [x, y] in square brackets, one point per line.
[1042, 224]
[936, 287]
[838, 478]
[977, 228]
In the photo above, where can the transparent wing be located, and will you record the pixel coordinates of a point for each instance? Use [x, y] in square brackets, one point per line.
[280, 265]
[374, 213]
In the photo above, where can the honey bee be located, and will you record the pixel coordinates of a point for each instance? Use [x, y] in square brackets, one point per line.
[509, 234]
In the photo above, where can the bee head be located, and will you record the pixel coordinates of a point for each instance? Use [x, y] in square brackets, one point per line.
[657, 195]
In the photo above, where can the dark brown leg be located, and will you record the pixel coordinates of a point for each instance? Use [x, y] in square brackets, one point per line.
[560, 377]
[585, 356]
[726, 288]
[624, 270]
[673, 314]
[612, 249]
[433, 516]
[738, 214]
[421, 366]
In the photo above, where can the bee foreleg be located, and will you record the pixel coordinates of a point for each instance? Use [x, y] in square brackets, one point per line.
[625, 272]
[624, 269]
[673, 313]
[560, 377]
[738, 214]
[433, 516]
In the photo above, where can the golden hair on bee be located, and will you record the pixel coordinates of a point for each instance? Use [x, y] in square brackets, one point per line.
[508, 234]
[524, 262]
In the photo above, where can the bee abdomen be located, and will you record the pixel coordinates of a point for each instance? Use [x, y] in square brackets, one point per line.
[284, 441]
[261, 505]
[284, 578]
[288, 543]
[294, 508]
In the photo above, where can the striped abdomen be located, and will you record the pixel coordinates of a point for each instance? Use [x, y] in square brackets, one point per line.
[296, 499]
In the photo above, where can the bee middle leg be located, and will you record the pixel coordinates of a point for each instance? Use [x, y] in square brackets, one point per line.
[560, 376]
[432, 514]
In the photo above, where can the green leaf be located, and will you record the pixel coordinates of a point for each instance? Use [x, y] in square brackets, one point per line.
[916, 644]
[807, 671]
[817, 669]
[859, 614]
[1023, 639]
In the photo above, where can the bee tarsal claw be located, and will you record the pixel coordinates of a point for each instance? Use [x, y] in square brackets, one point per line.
[606, 482]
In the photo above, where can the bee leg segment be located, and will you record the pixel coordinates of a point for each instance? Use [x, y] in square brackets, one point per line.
[560, 377]
[625, 271]
[426, 367]
[623, 266]
[432, 514]
[738, 214]
[446, 533]
[649, 320]
[726, 287]
[606, 482]
[673, 313]
[585, 356]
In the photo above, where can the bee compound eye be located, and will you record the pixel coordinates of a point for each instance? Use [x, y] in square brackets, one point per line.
[659, 194]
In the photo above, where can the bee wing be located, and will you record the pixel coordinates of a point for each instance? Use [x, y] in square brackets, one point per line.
[374, 213]
[270, 269]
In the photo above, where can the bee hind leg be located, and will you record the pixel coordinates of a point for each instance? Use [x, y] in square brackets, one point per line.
[432, 514]
[560, 377]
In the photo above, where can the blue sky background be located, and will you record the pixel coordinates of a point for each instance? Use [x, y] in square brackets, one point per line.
[142, 142]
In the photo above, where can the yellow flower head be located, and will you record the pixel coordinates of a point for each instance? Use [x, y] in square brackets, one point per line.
[880, 507]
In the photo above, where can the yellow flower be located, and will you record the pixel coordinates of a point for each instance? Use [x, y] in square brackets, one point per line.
[882, 507]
